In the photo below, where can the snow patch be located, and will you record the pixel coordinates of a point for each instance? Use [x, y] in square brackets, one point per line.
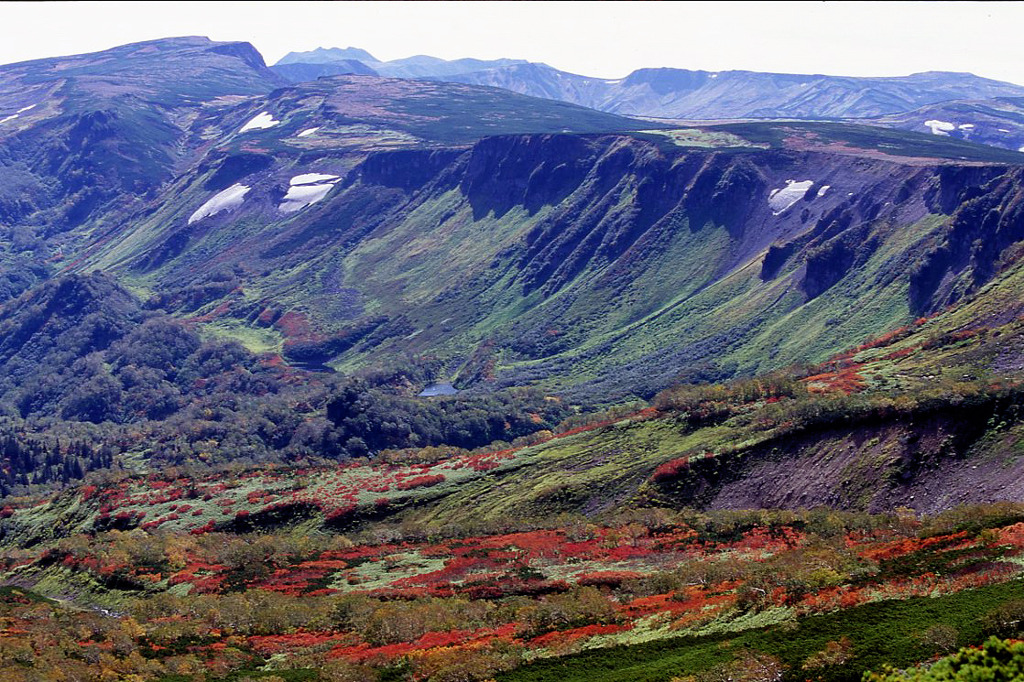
[310, 178]
[262, 120]
[784, 197]
[301, 196]
[17, 113]
[306, 189]
[714, 75]
[227, 200]
[940, 127]
[308, 131]
[965, 126]
[1002, 130]
[823, 189]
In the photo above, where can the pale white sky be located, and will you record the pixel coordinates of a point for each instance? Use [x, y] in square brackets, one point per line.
[604, 39]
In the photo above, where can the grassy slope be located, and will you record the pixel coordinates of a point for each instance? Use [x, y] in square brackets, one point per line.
[886, 632]
[609, 468]
[603, 468]
[672, 303]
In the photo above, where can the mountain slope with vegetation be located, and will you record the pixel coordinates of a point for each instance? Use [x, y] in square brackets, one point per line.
[320, 222]
[638, 258]
[88, 130]
[373, 378]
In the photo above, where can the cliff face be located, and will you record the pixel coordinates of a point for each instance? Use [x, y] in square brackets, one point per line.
[607, 263]
[987, 221]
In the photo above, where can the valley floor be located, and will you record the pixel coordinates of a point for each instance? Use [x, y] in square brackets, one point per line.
[653, 596]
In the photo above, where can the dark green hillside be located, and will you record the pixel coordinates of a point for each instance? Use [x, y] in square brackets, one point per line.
[90, 378]
[87, 373]
[361, 112]
[606, 263]
[884, 633]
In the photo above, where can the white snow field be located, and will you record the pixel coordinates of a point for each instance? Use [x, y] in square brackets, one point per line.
[940, 127]
[308, 131]
[310, 178]
[260, 121]
[784, 197]
[301, 196]
[227, 200]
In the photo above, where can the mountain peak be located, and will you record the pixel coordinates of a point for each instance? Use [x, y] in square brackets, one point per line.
[244, 51]
[326, 55]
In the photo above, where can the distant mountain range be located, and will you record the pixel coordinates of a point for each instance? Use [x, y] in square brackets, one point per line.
[681, 93]
[419, 66]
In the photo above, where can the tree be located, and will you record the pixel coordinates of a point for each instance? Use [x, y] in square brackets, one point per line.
[997, 661]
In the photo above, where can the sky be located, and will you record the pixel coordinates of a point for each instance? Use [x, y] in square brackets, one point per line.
[602, 39]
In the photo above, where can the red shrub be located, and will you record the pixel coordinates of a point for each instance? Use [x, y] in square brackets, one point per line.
[612, 579]
[421, 482]
[671, 469]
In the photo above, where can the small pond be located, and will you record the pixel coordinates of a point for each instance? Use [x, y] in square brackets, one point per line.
[442, 388]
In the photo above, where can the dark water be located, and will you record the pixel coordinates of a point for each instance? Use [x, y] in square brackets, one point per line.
[313, 367]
